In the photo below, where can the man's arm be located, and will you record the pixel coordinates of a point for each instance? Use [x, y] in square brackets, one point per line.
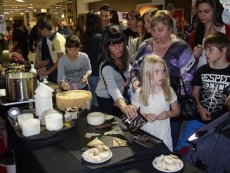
[54, 67]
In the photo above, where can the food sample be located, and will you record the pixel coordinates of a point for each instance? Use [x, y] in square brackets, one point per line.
[112, 132]
[95, 142]
[73, 98]
[71, 109]
[117, 142]
[97, 154]
[168, 163]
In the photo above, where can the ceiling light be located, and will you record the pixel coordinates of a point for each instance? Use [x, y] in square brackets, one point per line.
[20, 0]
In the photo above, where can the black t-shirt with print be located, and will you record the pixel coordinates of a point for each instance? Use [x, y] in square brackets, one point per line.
[129, 34]
[212, 82]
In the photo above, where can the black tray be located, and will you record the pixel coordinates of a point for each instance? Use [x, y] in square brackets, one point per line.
[42, 127]
[84, 127]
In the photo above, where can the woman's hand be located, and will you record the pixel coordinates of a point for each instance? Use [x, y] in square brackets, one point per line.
[135, 86]
[130, 111]
[84, 79]
[198, 51]
[65, 86]
[204, 113]
[163, 115]
[43, 63]
[150, 117]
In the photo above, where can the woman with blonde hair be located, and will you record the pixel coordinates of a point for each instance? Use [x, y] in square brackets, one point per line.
[155, 97]
[176, 53]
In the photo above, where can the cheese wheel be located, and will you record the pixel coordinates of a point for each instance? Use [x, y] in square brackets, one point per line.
[72, 98]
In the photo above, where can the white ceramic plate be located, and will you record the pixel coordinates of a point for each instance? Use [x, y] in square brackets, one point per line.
[110, 156]
[181, 166]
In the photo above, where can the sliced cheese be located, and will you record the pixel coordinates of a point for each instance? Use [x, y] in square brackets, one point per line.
[95, 142]
[112, 132]
[119, 142]
[115, 143]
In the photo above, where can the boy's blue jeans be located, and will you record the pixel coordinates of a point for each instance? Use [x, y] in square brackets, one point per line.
[191, 127]
[93, 80]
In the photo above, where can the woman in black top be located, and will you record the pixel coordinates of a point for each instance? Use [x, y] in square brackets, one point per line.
[20, 37]
[90, 40]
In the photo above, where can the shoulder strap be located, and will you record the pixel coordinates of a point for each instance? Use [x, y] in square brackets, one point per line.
[115, 68]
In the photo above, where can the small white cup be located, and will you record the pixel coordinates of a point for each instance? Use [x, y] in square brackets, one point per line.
[54, 121]
[23, 117]
[44, 90]
[31, 127]
[88, 104]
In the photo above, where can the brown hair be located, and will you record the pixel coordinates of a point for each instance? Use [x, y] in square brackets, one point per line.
[162, 16]
[133, 13]
[219, 40]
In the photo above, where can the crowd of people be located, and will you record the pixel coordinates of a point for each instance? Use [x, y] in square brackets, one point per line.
[108, 59]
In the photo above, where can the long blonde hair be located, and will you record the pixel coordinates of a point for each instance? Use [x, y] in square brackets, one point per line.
[146, 76]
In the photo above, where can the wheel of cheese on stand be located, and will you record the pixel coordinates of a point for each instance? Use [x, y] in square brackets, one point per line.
[72, 98]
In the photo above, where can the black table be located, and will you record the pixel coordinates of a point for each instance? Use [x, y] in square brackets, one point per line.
[57, 158]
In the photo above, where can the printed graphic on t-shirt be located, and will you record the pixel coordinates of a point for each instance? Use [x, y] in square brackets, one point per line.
[74, 76]
[212, 96]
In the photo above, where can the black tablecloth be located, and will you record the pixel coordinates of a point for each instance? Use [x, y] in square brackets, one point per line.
[59, 158]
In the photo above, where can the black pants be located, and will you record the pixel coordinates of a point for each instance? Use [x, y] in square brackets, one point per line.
[107, 105]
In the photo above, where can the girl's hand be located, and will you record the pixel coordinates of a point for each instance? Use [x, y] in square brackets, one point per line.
[130, 111]
[198, 50]
[84, 79]
[150, 117]
[162, 116]
[43, 63]
[204, 114]
[65, 86]
[135, 86]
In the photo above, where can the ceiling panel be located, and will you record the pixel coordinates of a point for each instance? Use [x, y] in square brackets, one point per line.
[13, 7]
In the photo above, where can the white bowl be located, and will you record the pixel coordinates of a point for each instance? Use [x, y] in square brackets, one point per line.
[96, 118]
[23, 117]
[44, 90]
[54, 121]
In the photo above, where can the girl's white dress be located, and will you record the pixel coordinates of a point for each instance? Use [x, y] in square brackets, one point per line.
[156, 105]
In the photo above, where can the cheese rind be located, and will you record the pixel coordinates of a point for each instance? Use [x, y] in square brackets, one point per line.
[72, 98]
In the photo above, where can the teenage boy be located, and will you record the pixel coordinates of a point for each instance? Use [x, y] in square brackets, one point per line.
[105, 15]
[208, 84]
[53, 47]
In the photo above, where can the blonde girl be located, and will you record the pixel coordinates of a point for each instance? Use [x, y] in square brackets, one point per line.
[156, 99]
